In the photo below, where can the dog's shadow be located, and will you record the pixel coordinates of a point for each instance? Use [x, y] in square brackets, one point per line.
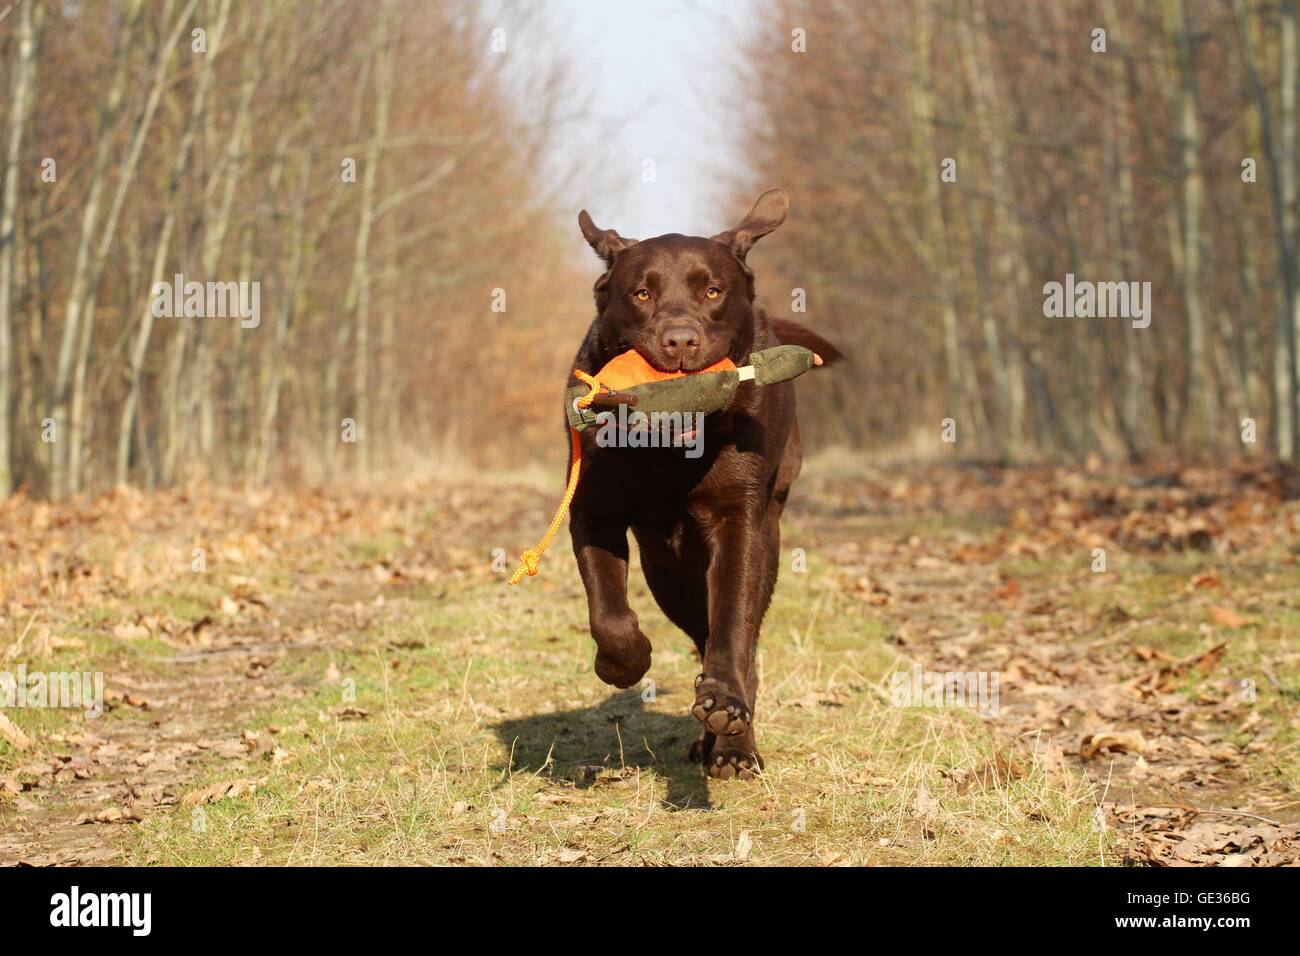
[619, 732]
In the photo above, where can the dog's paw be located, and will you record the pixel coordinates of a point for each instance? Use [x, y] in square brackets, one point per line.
[719, 709]
[726, 763]
[623, 662]
[699, 752]
[727, 758]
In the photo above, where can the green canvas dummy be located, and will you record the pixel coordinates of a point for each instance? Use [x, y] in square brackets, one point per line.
[703, 392]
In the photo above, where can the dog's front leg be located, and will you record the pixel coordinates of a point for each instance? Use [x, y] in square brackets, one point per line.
[742, 574]
[600, 545]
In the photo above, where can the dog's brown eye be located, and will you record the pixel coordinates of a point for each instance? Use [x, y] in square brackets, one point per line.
[712, 292]
[643, 295]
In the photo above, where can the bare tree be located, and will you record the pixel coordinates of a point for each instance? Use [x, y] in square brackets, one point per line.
[126, 422]
[22, 80]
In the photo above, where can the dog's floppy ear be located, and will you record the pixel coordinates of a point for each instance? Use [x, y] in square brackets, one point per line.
[606, 242]
[768, 213]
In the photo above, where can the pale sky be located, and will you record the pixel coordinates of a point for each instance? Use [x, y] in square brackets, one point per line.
[651, 77]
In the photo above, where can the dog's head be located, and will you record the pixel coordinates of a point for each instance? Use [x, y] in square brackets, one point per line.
[683, 302]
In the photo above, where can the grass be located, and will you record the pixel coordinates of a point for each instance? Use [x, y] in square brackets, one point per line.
[489, 740]
[449, 719]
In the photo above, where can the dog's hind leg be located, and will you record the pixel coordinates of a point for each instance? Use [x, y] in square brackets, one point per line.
[678, 579]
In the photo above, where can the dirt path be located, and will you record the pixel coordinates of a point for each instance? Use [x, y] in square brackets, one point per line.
[190, 657]
[1169, 679]
[173, 721]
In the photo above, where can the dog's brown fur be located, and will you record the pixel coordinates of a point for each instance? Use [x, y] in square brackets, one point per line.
[708, 528]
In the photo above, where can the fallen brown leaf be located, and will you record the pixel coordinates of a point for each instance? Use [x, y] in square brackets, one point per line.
[1209, 660]
[1008, 593]
[1118, 741]
[110, 815]
[130, 631]
[13, 734]
[219, 791]
[1226, 617]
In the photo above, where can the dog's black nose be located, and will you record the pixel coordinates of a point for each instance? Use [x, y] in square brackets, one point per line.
[679, 338]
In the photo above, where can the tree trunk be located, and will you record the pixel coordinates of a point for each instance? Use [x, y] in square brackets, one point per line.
[1012, 275]
[76, 424]
[283, 322]
[937, 230]
[1281, 161]
[126, 421]
[181, 409]
[358, 300]
[108, 112]
[21, 86]
[1123, 238]
[1289, 331]
[1197, 414]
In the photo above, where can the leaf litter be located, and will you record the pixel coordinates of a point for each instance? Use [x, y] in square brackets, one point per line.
[1147, 699]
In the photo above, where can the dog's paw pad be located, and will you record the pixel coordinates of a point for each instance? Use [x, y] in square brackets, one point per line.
[737, 765]
[719, 710]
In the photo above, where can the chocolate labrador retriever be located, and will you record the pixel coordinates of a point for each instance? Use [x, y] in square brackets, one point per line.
[708, 527]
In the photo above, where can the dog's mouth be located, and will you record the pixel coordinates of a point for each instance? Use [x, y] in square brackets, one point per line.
[663, 364]
[677, 363]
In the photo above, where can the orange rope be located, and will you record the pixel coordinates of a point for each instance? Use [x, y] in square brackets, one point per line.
[531, 559]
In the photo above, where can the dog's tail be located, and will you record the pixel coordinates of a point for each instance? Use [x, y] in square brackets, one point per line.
[788, 332]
